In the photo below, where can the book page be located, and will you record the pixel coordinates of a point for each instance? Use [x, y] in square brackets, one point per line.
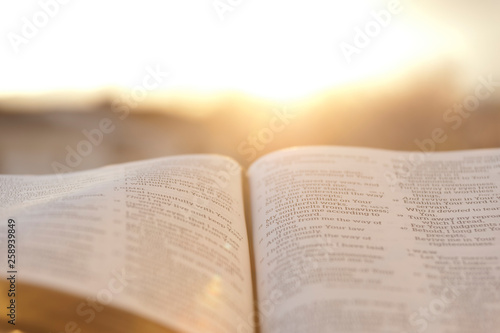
[165, 239]
[365, 240]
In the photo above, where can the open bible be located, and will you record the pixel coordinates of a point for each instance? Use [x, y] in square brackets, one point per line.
[312, 239]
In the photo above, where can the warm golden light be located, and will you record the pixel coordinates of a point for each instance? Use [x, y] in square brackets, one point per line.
[277, 49]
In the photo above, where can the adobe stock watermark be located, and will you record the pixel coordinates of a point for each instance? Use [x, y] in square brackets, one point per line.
[420, 319]
[121, 106]
[381, 19]
[250, 147]
[88, 309]
[31, 26]
[454, 117]
[222, 7]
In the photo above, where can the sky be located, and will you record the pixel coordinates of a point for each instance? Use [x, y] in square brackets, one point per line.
[276, 49]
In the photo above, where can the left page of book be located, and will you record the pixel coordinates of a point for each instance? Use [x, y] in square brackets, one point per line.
[164, 239]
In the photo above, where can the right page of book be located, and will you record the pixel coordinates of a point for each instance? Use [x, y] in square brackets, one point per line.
[367, 240]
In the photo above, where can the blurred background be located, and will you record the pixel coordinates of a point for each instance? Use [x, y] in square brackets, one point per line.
[89, 83]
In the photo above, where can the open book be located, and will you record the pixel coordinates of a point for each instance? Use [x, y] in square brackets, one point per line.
[313, 239]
